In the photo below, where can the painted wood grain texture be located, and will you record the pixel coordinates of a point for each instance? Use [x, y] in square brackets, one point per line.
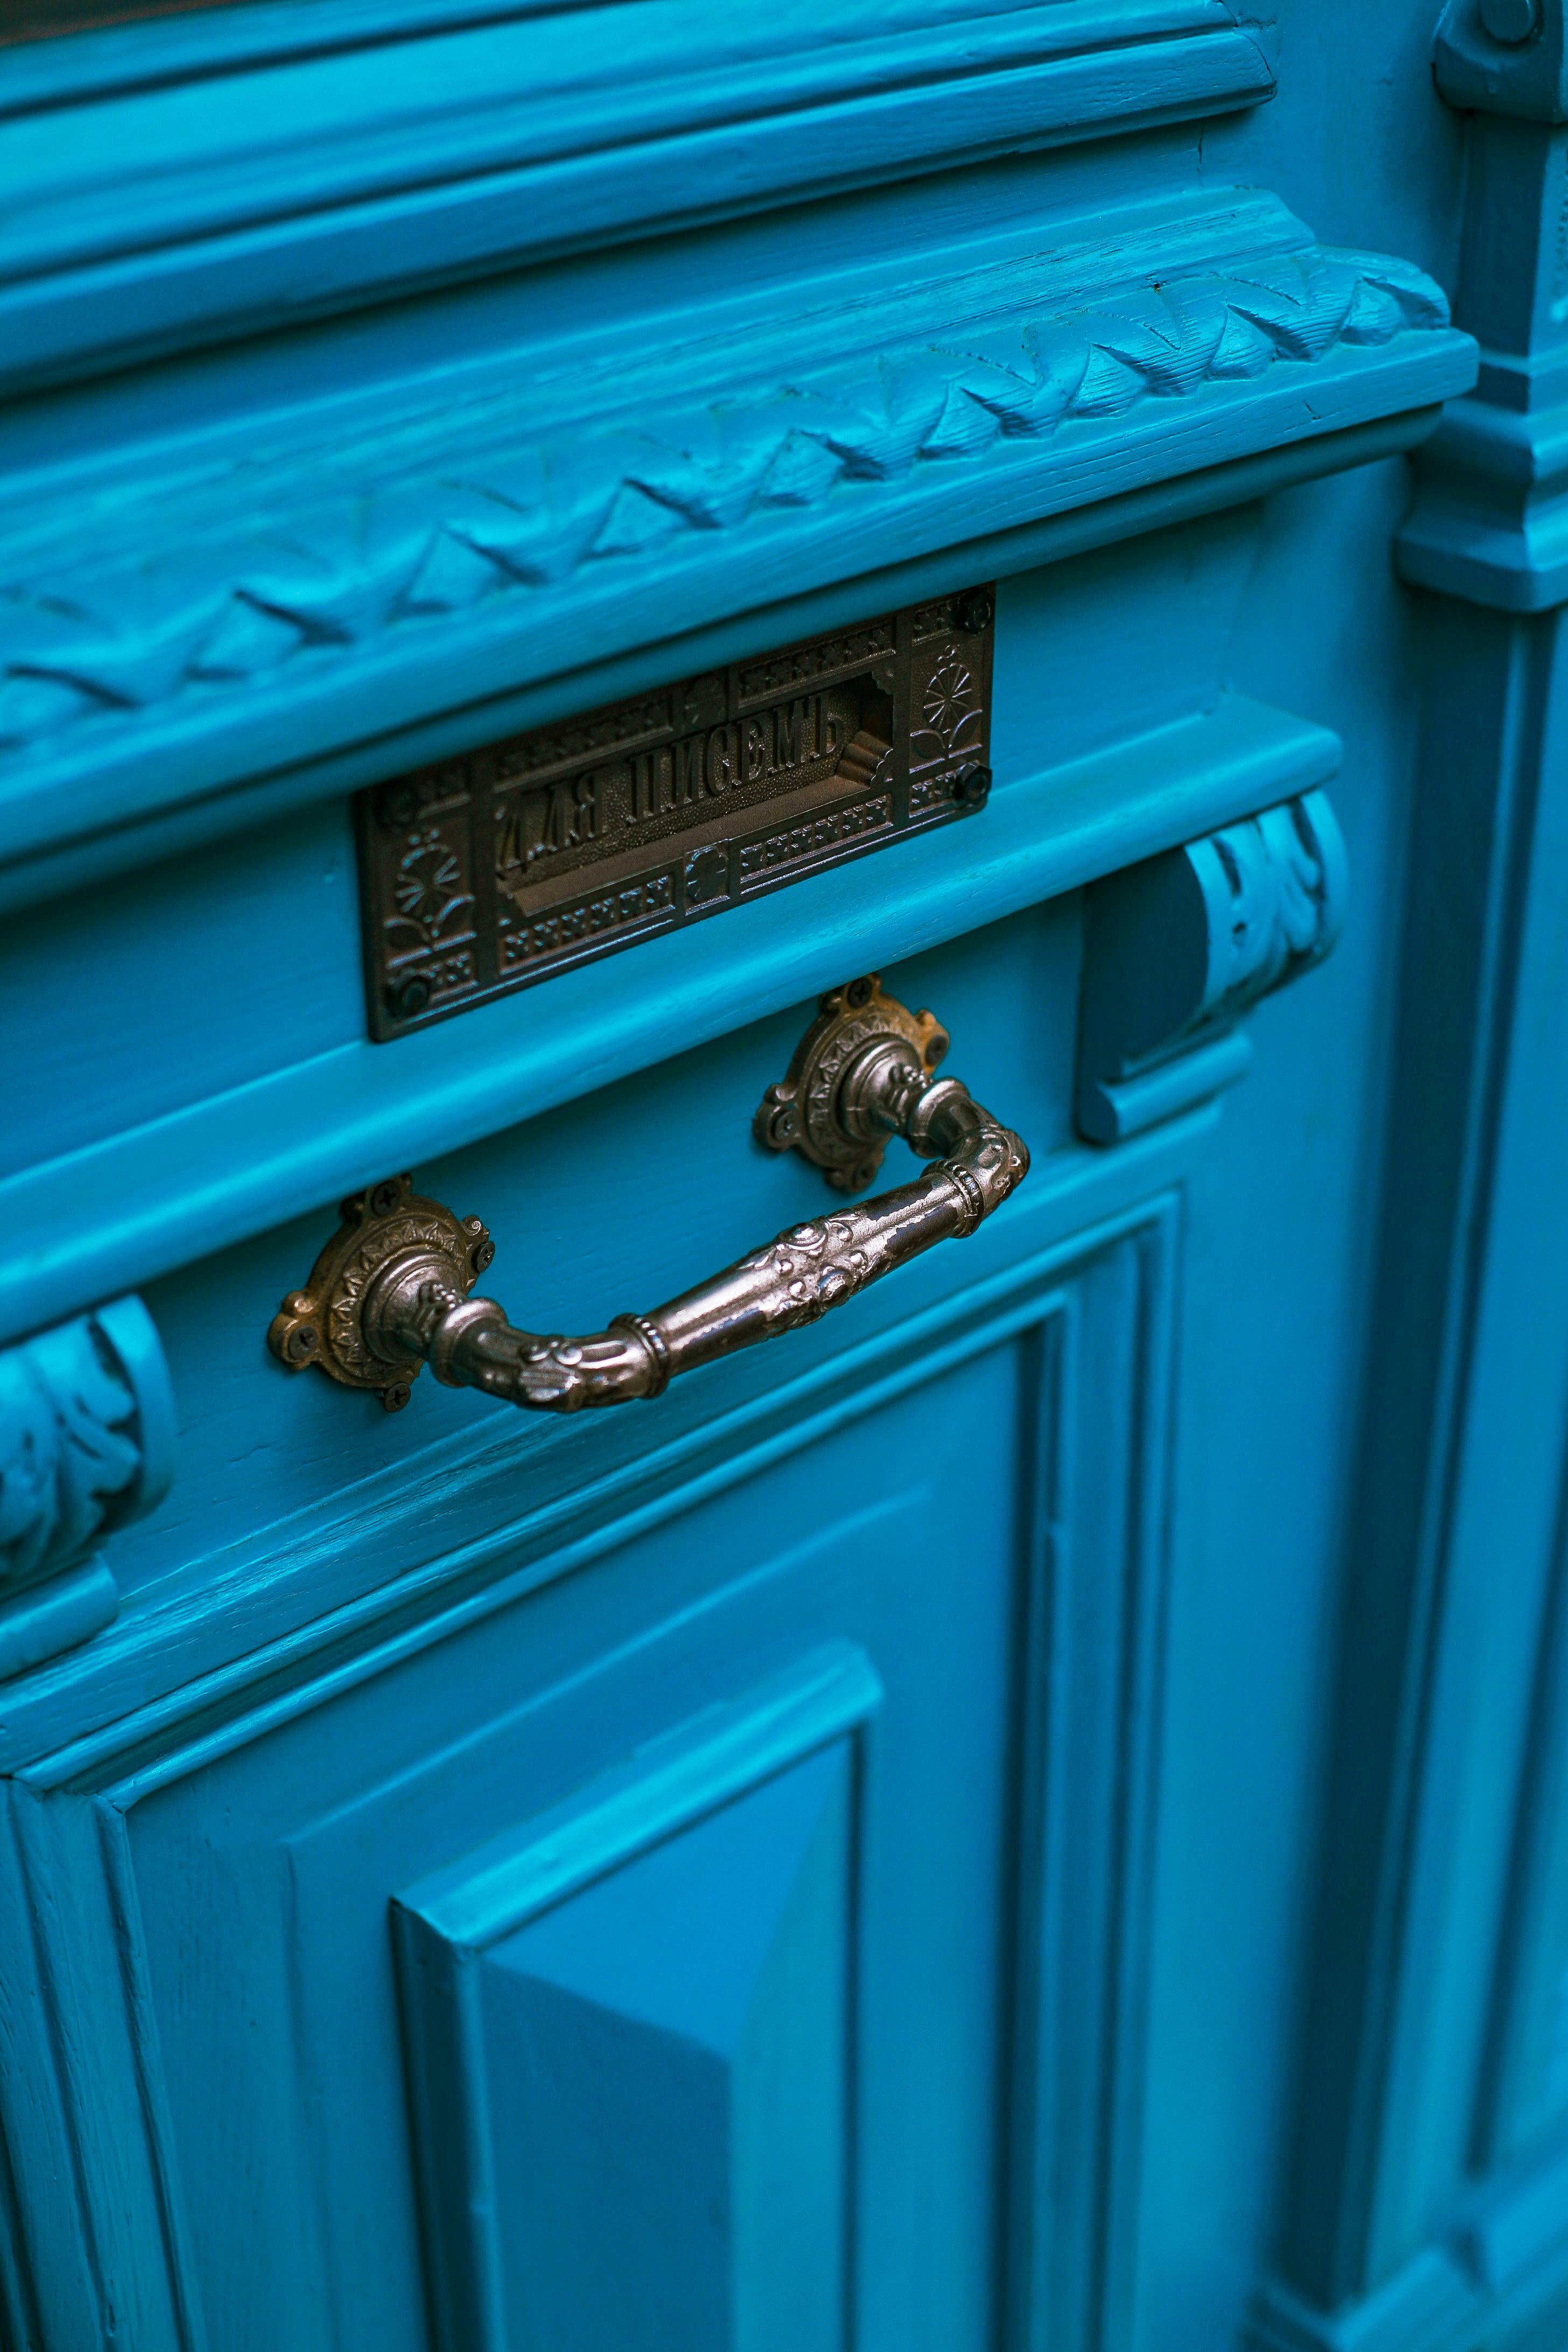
[188, 179]
[1028, 1817]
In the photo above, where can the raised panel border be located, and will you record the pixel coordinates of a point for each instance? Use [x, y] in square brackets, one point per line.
[442, 1927]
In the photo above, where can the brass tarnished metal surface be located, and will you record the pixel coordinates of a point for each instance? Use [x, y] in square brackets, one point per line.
[394, 1289]
[493, 871]
[808, 1110]
[326, 1323]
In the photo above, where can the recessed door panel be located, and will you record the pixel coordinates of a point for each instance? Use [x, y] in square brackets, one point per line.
[733, 1941]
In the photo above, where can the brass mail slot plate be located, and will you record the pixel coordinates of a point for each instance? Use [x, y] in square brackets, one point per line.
[490, 872]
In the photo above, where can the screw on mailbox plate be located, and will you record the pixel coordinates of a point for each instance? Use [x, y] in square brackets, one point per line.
[398, 805]
[408, 996]
[973, 788]
[1511, 20]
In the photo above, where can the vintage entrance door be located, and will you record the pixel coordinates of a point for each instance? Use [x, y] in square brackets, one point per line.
[633, 627]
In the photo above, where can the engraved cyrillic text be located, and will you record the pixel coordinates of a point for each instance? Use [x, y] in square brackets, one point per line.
[487, 872]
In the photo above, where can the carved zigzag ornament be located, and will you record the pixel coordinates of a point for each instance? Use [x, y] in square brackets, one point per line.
[402, 535]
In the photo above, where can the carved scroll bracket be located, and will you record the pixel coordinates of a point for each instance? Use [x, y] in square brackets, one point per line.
[1181, 946]
[87, 1444]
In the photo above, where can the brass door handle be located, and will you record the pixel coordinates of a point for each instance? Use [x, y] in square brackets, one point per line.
[392, 1288]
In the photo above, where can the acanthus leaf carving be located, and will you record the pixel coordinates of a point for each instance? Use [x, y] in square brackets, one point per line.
[87, 1444]
[1180, 947]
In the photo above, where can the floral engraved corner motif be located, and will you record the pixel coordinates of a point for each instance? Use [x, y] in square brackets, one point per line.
[432, 906]
[951, 719]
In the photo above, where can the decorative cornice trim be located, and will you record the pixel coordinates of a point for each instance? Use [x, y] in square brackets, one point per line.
[138, 226]
[342, 578]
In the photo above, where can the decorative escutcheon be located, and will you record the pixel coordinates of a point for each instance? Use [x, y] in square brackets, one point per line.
[386, 1230]
[391, 1289]
[812, 1111]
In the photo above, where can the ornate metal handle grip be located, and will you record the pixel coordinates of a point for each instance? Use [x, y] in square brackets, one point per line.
[392, 1288]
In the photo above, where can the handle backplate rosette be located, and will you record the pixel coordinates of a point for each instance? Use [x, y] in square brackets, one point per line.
[813, 1109]
[387, 1230]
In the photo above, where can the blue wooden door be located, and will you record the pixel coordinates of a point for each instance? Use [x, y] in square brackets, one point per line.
[614, 617]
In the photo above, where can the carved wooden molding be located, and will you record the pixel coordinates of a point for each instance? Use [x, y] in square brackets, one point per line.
[317, 177]
[302, 585]
[1491, 520]
[87, 1444]
[494, 507]
[1505, 57]
[1182, 946]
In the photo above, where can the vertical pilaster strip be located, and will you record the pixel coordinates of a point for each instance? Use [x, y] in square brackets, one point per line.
[1456, 1501]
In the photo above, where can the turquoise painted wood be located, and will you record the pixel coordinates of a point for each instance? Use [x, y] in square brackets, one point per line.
[1027, 1814]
